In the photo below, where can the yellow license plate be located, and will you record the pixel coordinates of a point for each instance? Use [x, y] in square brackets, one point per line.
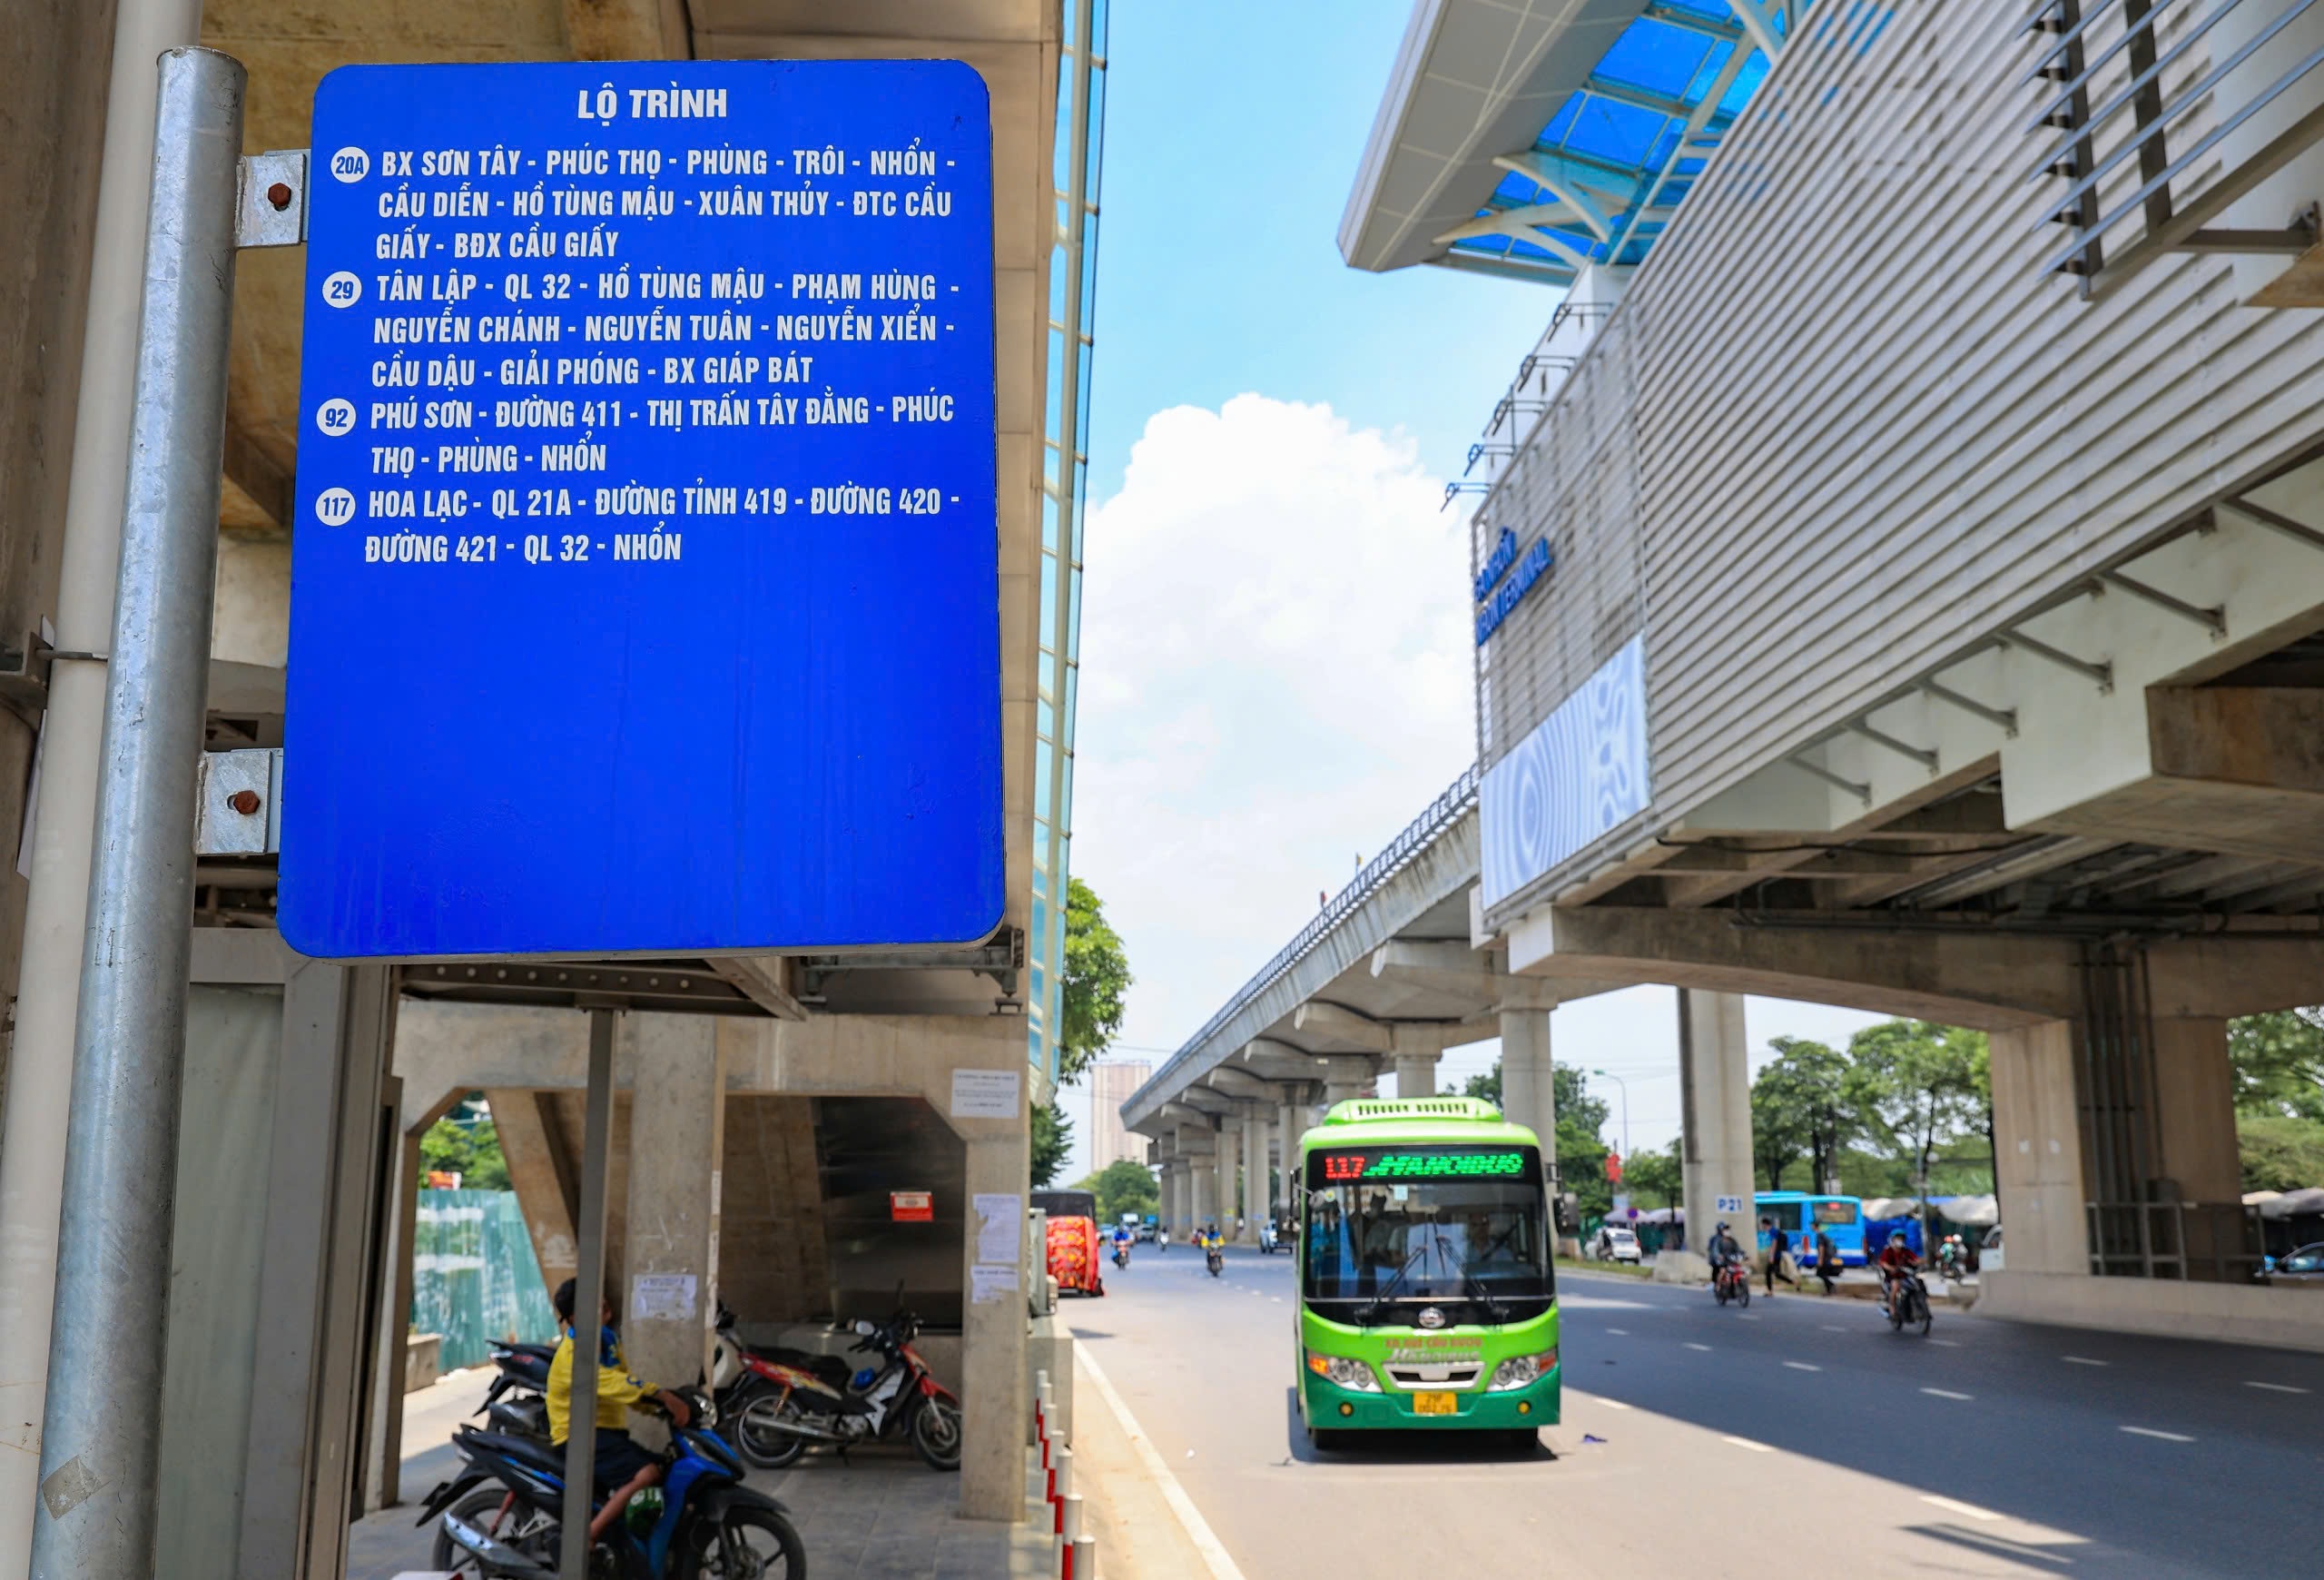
[1434, 1405]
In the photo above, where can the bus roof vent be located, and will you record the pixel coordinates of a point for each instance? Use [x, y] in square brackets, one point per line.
[1359, 1110]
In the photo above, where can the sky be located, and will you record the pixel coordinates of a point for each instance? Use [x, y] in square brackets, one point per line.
[1276, 661]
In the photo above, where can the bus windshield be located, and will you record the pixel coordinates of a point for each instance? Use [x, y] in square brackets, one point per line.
[1429, 1223]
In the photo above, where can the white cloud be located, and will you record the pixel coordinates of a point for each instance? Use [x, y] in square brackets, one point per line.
[1274, 678]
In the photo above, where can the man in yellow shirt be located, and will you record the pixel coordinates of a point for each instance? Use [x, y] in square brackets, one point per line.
[621, 1464]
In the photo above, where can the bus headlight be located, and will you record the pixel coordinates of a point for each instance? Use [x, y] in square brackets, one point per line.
[1345, 1370]
[1522, 1370]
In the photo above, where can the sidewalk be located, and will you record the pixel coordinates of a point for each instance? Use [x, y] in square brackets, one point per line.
[880, 1515]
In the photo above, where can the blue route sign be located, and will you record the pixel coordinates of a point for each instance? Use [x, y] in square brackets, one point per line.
[645, 588]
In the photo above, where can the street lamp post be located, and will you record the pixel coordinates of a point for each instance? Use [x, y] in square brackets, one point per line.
[1625, 1085]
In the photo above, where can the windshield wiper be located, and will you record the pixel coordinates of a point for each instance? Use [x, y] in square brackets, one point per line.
[1474, 1285]
[1370, 1314]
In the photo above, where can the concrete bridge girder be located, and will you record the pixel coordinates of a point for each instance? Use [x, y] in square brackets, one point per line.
[1357, 1031]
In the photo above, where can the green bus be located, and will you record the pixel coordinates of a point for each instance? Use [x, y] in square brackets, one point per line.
[1426, 1296]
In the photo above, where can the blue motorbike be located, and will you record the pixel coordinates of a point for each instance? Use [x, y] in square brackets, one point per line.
[499, 1517]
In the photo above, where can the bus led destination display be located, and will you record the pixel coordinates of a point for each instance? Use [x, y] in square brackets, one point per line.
[645, 581]
[1399, 1163]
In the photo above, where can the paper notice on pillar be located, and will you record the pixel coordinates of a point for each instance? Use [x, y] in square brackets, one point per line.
[984, 1093]
[988, 1283]
[1000, 1228]
[662, 1298]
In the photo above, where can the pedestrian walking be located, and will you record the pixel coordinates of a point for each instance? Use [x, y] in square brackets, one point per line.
[1778, 1253]
[1827, 1260]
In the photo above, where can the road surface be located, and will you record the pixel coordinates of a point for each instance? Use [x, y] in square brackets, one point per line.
[1799, 1437]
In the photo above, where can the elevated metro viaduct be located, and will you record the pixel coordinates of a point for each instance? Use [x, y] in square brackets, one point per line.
[1921, 476]
[765, 1105]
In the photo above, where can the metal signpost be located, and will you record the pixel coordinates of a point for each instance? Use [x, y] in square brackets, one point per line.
[645, 583]
[645, 588]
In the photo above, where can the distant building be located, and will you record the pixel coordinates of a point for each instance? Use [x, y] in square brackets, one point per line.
[1109, 1087]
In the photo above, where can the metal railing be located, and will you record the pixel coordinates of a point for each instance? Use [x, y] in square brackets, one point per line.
[1418, 835]
[2207, 1242]
[2148, 80]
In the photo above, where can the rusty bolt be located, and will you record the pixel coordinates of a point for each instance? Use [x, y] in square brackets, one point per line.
[279, 195]
[243, 801]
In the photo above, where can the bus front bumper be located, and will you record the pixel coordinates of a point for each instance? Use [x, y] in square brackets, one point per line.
[1330, 1406]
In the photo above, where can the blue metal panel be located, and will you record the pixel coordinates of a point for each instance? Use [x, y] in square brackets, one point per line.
[552, 690]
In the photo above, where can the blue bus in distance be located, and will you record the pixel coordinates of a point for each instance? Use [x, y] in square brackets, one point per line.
[1802, 1215]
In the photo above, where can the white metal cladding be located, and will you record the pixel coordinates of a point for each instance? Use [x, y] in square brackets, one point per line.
[1869, 426]
[1574, 481]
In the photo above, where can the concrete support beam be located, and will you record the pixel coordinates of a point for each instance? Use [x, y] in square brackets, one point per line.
[1228, 1171]
[677, 1131]
[1344, 1078]
[1202, 1193]
[1528, 1095]
[1256, 1195]
[1338, 1023]
[1715, 1098]
[542, 1178]
[1241, 1084]
[1290, 1126]
[2037, 1143]
[1416, 1074]
[2194, 1090]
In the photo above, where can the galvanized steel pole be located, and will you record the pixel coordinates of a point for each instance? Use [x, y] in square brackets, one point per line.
[101, 1430]
[588, 1288]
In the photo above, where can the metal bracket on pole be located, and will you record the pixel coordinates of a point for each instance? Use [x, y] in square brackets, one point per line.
[2212, 619]
[271, 208]
[1861, 791]
[238, 810]
[2006, 717]
[1926, 759]
[2104, 674]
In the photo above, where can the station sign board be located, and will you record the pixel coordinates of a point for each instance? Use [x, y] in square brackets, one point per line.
[644, 591]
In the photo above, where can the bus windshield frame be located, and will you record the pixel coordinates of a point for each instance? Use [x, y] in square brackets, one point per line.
[1389, 1228]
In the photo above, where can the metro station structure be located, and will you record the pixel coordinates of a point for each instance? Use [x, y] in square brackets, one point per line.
[1917, 478]
[765, 1106]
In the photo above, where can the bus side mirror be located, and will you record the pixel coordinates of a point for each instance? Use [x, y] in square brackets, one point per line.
[1567, 1213]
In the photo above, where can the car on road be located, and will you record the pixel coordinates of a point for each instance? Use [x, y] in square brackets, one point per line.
[2304, 1266]
[1615, 1245]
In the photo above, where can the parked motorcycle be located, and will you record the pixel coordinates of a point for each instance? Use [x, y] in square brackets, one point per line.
[516, 1403]
[498, 1518]
[1732, 1281]
[781, 1409]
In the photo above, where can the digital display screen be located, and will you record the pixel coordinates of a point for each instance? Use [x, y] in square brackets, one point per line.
[1423, 1163]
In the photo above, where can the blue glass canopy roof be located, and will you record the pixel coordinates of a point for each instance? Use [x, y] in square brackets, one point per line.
[1605, 176]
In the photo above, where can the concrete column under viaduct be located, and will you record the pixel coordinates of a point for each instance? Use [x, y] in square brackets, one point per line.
[1256, 1195]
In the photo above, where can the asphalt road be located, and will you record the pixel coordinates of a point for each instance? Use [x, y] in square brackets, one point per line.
[1800, 1438]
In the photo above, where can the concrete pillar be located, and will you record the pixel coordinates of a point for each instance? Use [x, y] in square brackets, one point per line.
[1528, 1095]
[1289, 1127]
[678, 1131]
[994, 1385]
[1715, 1081]
[2194, 1090]
[1344, 1077]
[1416, 1074]
[1228, 1161]
[2037, 1147]
[1202, 1192]
[1256, 1197]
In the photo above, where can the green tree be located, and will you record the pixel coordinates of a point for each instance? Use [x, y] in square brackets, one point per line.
[1582, 1116]
[2278, 1060]
[1096, 976]
[470, 1150]
[1486, 1086]
[1052, 1139]
[1915, 1086]
[1122, 1186]
[2280, 1152]
[1799, 1107]
[1652, 1176]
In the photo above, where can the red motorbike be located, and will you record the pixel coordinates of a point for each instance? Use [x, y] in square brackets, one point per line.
[1731, 1280]
[779, 1409]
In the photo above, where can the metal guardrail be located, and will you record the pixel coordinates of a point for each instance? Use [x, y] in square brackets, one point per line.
[2212, 1242]
[1417, 836]
[2134, 79]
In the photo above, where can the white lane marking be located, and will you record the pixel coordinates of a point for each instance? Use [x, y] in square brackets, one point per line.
[1971, 1509]
[1624, 1332]
[1746, 1443]
[1802, 1365]
[2082, 1360]
[1947, 1394]
[1205, 1541]
[1948, 1343]
[1744, 1317]
[1613, 1404]
[2166, 1436]
[1832, 1327]
[1704, 1348]
[2275, 1388]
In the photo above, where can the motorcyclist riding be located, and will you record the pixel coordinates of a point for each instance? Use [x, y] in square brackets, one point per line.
[1896, 1261]
[1724, 1250]
[621, 1464]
